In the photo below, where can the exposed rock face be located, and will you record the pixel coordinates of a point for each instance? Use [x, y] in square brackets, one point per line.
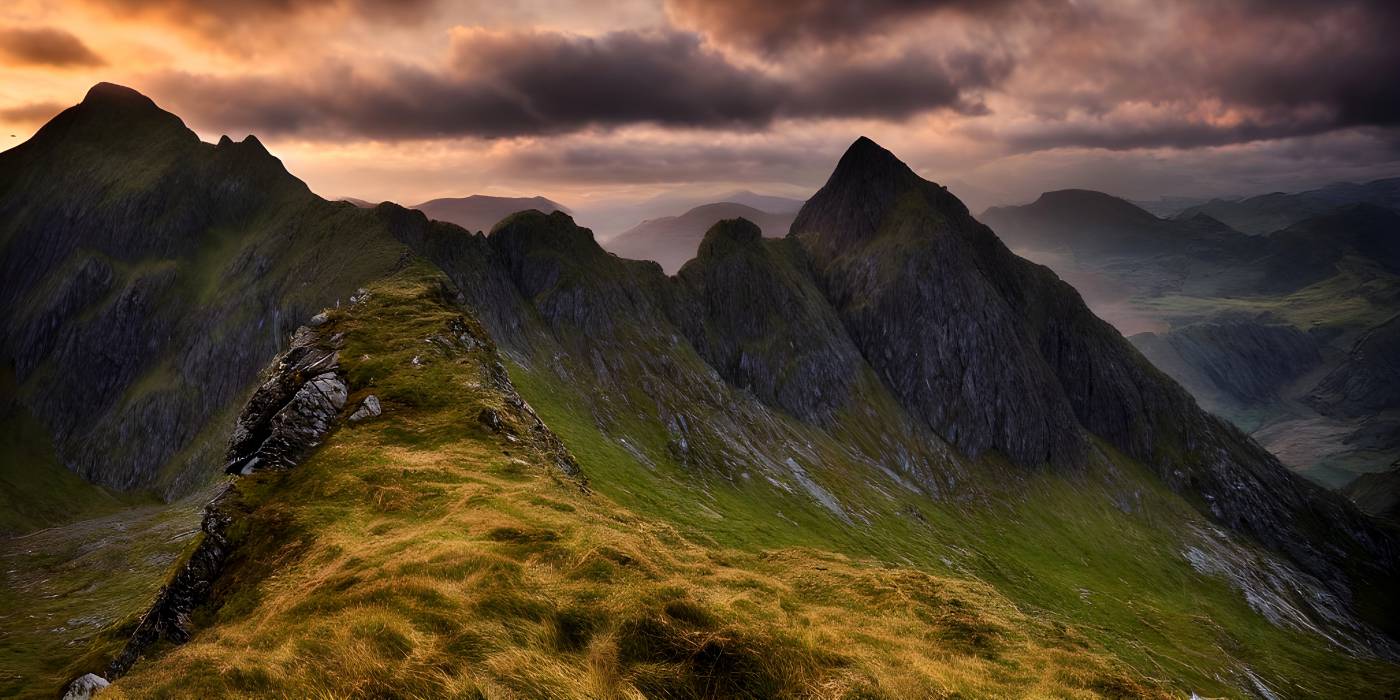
[369, 408]
[286, 418]
[1368, 381]
[168, 618]
[291, 412]
[922, 290]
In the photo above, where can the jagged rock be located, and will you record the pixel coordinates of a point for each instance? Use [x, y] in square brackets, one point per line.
[85, 686]
[491, 419]
[369, 408]
[168, 618]
[318, 320]
[293, 409]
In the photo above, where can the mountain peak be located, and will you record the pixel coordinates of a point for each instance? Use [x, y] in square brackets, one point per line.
[868, 184]
[872, 164]
[113, 95]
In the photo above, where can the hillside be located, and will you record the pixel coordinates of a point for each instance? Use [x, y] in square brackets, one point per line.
[480, 212]
[881, 457]
[672, 240]
[1267, 213]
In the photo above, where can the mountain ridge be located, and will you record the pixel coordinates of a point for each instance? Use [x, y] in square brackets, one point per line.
[903, 388]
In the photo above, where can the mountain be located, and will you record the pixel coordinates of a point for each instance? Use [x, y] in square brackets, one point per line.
[880, 457]
[1266, 213]
[764, 202]
[1094, 223]
[480, 212]
[1248, 323]
[147, 277]
[672, 240]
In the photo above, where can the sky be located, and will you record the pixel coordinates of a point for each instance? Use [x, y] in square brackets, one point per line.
[591, 103]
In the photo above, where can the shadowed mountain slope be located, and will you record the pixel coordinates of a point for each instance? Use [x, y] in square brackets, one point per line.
[146, 277]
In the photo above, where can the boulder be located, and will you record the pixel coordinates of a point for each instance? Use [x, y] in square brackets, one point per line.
[369, 408]
[84, 687]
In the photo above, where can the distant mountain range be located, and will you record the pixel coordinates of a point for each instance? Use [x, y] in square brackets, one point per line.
[672, 240]
[480, 212]
[1267, 213]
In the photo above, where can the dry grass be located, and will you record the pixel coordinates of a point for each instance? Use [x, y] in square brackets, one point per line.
[422, 555]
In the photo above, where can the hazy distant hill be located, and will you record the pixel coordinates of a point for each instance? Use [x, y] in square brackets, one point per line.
[1267, 213]
[480, 212]
[672, 240]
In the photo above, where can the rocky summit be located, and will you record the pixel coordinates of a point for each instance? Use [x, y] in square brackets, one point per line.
[881, 457]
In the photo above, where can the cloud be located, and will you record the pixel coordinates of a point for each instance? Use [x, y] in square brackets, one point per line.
[522, 83]
[773, 27]
[45, 46]
[208, 13]
[31, 113]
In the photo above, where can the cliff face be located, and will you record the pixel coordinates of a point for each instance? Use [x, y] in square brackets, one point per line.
[146, 277]
[1246, 361]
[1368, 381]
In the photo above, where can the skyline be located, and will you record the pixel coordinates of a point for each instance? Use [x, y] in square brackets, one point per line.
[625, 101]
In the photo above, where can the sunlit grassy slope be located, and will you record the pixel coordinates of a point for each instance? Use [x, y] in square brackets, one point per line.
[423, 555]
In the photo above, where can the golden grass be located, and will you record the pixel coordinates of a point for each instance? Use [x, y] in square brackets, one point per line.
[422, 555]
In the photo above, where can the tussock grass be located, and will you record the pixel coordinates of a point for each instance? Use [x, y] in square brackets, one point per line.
[422, 555]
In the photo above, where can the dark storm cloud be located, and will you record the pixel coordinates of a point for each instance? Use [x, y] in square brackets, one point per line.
[776, 26]
[500, 84]
[45, 46]
[1203, 73]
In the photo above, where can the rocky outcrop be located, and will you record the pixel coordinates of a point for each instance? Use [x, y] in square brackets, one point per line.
[291, 412]
[84, 687]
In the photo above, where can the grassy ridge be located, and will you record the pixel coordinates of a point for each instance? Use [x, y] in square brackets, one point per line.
[422, 555]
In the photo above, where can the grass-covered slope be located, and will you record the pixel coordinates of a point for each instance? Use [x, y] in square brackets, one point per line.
[422, 554]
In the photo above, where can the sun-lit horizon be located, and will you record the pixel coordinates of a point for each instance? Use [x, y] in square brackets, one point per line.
[595, 103]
